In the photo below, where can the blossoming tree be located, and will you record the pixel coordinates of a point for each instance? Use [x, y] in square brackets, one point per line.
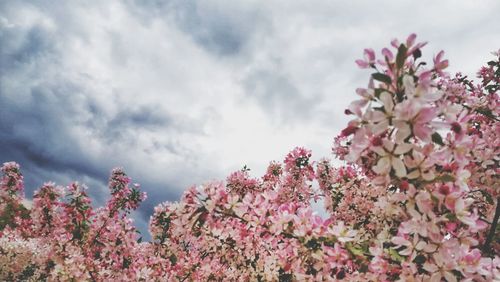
[417, 199]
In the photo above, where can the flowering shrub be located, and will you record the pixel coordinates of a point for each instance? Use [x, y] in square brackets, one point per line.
[417, 199]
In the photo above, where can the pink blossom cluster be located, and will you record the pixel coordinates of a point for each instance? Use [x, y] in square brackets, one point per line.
[417, 199]
[61, 237]
[428, 141]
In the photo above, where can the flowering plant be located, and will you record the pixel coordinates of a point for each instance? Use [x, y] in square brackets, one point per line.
[417, 199]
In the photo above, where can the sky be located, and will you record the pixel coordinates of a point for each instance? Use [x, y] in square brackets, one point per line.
[183, 92]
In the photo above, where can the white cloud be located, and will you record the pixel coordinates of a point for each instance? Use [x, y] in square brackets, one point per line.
[183, 92]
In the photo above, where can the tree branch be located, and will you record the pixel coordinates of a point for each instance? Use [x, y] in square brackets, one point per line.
[493, 228]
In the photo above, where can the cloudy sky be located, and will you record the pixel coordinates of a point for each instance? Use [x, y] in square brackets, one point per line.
[181, 92]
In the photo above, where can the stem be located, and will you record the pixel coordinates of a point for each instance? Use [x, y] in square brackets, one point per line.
[479, 112]
[111, 213]
[493, 228]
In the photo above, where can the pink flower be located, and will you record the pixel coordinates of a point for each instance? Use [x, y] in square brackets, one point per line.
[421, 166]
[381, 120]
[438, 268]
[409, 119]
[412, 246]
[439, 63]
[369, 59]
[342, 233]
[390, 158]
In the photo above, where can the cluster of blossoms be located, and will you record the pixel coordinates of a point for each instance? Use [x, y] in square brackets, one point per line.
[61, 237]
[254, 234]
[416, 200]
[429, 141]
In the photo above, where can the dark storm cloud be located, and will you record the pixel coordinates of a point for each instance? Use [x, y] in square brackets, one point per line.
[40, 106]
[34, 117]
[36, 134]
[223, 29]
[127, 121]
[235, 30]
[64, 124]
[277, 93]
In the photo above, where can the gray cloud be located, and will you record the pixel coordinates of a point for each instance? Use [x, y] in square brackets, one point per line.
[276, 93]
[222, 28]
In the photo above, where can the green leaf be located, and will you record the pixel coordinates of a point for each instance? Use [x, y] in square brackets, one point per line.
[451, 216]
[126, 263]
[357, 251]
[395, 255]
[487, 112]
[363, 268]
[401, 56]
[492, 63]
[435, 200]
[417, 54]
[173, 259]
[378, 91]
[446, 178]
[420, 259]
[382, 77]
[488, 197]
[436, 138]
[313, 244]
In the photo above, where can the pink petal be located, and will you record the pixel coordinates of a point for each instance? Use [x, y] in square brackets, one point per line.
[395, 43]
[357, 105]
[426, 114]
[410, 40]
[400, 241]
[370, 55]
[388, 54]
[422, 132]
[403, 148]
[386, 99]
[439, 56]
[399, 167]
[403, 132]
[383, 166]
[362, 64]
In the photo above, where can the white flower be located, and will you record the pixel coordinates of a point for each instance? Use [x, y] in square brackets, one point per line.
[343, 235]
[390, 158]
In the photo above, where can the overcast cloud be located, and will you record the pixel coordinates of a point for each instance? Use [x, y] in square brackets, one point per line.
[182, 92]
